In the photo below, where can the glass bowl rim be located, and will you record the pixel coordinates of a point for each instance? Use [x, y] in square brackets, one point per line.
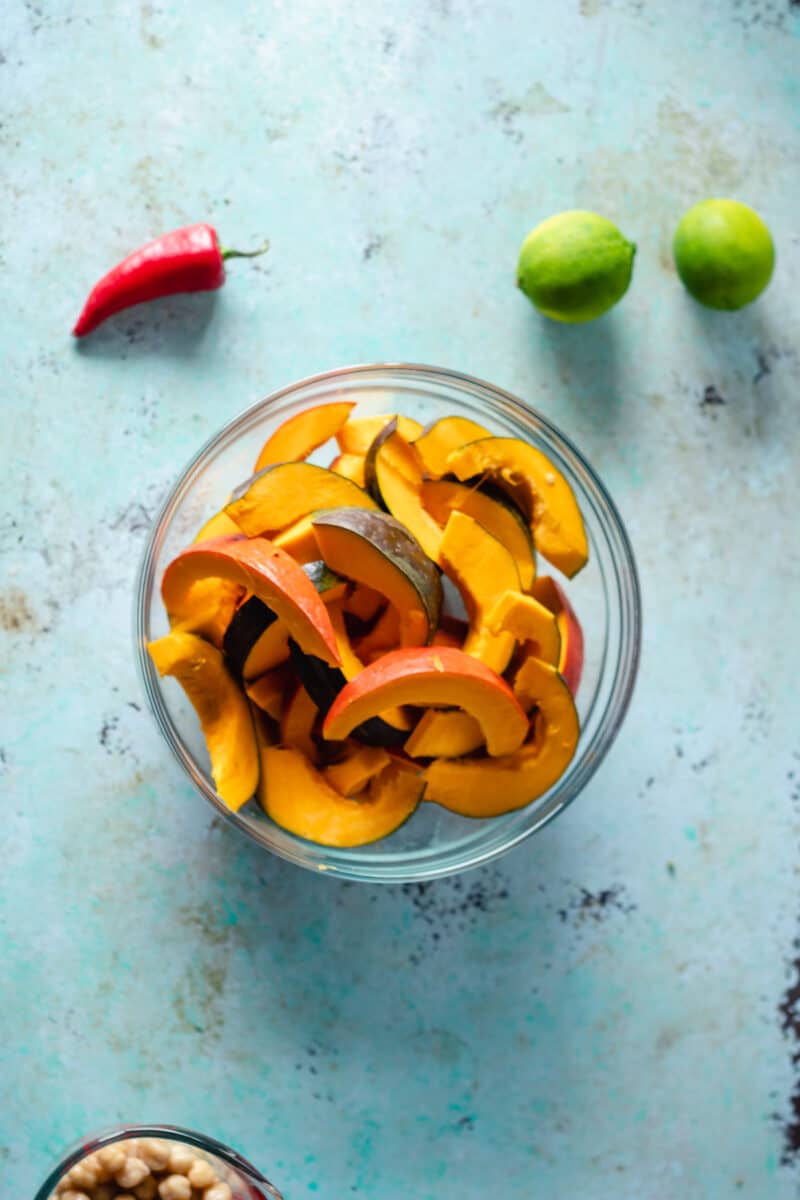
[307, 854]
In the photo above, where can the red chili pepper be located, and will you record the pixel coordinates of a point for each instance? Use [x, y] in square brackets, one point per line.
[186, 260]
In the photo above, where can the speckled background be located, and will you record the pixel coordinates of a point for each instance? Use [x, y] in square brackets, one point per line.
[609, 1011]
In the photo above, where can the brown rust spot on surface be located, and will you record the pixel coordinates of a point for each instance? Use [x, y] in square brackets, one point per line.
[16, 614]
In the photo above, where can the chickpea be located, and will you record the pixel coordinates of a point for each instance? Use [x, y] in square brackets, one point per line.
[112, 1157]
[156, 1154]
[83, 1176]
[180, 1160]
[175, 1187]
[148, 1190]
[104, 1191]
[132, 1173]
[201, 1174]
[220, 1191]
[71, 1194]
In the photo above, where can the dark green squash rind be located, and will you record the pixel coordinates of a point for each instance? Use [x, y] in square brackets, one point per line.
[370, 463]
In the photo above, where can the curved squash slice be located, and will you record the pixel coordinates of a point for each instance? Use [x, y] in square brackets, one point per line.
[279, 496]
[222, 708]
[528, 621]
[384, 635]
[537, 487]
[207, 609]
[441, 437]
[298, 540]
[266, 571]
[358, 434]
[482, 787]
[297, 723]
[351, 466]
[304, 432]
[220, 525]
[364, 603]
[570, 657]
[393, 477]
[353, 773]
[479, 566]
[299, 799]
[492, 509]
[373, 548]
[444, 734]
[440, 677]
[270, 690]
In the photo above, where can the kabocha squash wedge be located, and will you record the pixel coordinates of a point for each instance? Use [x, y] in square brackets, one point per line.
[207, 608]
[537, 487]
[437, 676]
[297, 723]
[266, 571]
[438, 440]
[222, 708]
[353, 773]
[448, 734]
[489, 787]
[492, 509]
[304, 432]
[270, 691]
[299, 799]
[384, 636]
[298, 540]
[393, 477]
[220, 525]
[479, 566]
[364, 603]
[528, 621]
[374, 549]
[358, 434]
[351, 466]
[279, 496]
[570, 657]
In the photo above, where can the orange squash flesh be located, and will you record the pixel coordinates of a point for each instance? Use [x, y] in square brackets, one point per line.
[270, 690]
[220, 525]
[374, 549]
[447, 734]
[527, 621]
[483, 787]
[221, 707]
[304, 432]
[297, 723]
[353, 773]
[571, 652]
[207, 608]
[299, 799]
[349, 465]
[440, 677]
[299, 541]
[279, 496]
[501, 518]
[479, 566]
[364, 602]
[438, 440]
[358, 434]
[384, 636]
[394, 476]
[267, 571]
[539, 489]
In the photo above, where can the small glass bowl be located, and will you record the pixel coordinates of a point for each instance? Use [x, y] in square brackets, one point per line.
[244, 1180]
[605, 595]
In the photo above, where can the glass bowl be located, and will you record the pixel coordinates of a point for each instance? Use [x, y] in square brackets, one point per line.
[245, 1182]
[605, 595]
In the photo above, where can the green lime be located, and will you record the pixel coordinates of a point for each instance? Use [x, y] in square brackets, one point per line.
[575, 266]
[724, 253]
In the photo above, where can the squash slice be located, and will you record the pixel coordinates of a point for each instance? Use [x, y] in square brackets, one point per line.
[483, 787]
[269, 691]
[266, 571]
[358, 434]
[528, 621]
[351, 466]
[304, 432]
[394, 478]
[570, 657]
[221, 707]
[300, 800]
[492, 509]
[438, 440]
[444, 734]
[279, 496]
[353, 773]
[374, 549]
[439, 677]
[297, 723]
[537, 487]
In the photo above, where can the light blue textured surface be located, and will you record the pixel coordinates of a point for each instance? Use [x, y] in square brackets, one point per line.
[597, 1014]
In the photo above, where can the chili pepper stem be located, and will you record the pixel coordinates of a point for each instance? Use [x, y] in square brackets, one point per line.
[262, 249]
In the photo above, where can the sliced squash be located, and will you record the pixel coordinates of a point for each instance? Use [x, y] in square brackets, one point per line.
[304, 432]
[351, 466]
[298, 540]
[221, 707]
[492, 509]
[384, 636]
[444, 734]
[440, 438]
[353, 773]
[394, 478]
[528, 621]
[266, 571]
[440, 677]
[364, 603]
[570, 657]
[297, 723]
[358, 434]
[270, 691]
[279, 496]
[537, 487]
[374, 549]
[220, 525]
[299, 799]
[479, 566]
[207, 609]
[484, 787]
